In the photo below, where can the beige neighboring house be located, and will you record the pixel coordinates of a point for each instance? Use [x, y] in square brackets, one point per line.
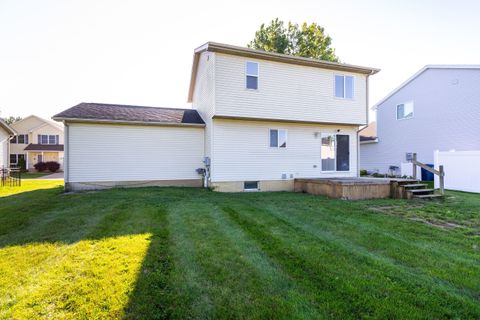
[6, 132]
[37, 140]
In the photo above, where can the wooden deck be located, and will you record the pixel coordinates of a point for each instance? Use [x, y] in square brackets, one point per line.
[351, 188]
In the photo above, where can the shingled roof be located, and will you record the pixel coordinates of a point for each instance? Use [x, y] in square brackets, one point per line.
[116, 113]
[44, 147]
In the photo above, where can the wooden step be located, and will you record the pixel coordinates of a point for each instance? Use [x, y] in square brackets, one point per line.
[421, 190]
[414, 185]
[427, 196]
[407, 181]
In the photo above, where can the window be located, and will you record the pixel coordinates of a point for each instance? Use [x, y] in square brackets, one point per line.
[252, 75]
[22, 138]
[250, 185]
[48, 139]
[344, 87]
[278, 138]
[335, 152]
[405, 110]
[15, 158]
[13, 139]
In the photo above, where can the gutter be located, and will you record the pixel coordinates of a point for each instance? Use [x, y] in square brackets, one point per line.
[143, 123]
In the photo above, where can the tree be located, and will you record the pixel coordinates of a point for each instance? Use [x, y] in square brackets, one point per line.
[11, 119]
[307, 40]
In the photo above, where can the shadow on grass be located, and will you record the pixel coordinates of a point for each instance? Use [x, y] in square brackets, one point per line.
[51, 216]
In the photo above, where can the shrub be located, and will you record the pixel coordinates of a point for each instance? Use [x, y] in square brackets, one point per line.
[363, 172]
[22, 165]
[52, 166]
[40, 166]
[378, 175]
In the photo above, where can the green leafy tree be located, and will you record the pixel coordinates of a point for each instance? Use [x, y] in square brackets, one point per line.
[306, 40]
[11, 119]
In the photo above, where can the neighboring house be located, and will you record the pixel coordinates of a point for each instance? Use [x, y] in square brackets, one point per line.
[259, 121]
[368, 134]
[436, 109]
[6, 132]
[37, 140]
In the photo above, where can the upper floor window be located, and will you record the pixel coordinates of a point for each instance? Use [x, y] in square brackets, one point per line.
[405, 110]
[48, 139]
[251, 75]
[278, 138]
[344, 87]
[20, 139]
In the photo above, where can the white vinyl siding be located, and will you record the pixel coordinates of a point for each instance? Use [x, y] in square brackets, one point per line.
[204, 95]
[3, 148]
[243, 153]
[288, 92]
[133, 153]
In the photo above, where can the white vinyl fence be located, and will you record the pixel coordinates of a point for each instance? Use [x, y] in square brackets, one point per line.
[462, 169]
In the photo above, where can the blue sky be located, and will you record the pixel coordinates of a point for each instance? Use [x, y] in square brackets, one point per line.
[55, 54]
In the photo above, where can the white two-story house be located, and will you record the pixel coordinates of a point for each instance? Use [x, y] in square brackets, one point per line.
[259, 120]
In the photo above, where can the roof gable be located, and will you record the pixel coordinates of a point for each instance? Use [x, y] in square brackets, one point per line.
[7, 128]
[38, 122]
[418, 73]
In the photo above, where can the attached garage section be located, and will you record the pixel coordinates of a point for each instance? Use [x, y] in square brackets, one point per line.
[105, 154]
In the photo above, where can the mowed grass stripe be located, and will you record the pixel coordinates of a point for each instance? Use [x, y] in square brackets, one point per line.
[291, 300]
[234, 286]
[368, 238]
[328, 268]
[187, 278]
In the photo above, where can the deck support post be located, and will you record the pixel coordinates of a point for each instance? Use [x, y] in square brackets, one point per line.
[442, 179]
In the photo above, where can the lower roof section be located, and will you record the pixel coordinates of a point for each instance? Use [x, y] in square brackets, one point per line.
[116, 113]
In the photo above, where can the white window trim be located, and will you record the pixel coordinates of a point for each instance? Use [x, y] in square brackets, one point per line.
[349, 153]
[278, 145]
[17, 136]
[344, 86]
[57, 140]
[252, 75]
[404, 103]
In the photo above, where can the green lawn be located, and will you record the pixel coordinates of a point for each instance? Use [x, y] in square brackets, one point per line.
[34, 175]
[155, 253]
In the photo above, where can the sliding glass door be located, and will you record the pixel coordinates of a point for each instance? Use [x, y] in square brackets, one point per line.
[335, 152]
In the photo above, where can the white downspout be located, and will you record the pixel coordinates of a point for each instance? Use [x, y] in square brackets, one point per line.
[65, 155]
[358, 131]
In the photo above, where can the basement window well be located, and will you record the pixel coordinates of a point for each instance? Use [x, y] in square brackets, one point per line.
[250, 186]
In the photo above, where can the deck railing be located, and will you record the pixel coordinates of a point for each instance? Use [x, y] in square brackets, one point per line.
[440, 172]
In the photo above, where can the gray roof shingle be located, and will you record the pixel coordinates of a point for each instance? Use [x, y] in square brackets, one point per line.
[44, 147]
[103, 112]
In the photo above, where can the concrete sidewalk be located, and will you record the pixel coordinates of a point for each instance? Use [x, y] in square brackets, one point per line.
[53, 176]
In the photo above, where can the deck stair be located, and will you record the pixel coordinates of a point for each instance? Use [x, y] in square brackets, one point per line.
[411, 188]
